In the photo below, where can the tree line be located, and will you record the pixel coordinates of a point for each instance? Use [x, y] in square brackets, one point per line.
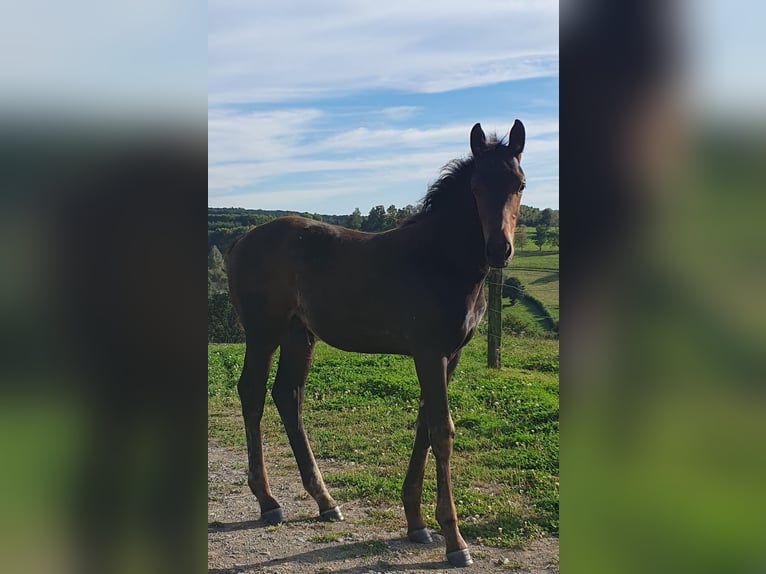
[224, 224]
[546, 229]
[223, 325]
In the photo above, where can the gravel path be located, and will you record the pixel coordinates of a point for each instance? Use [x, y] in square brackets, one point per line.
[370, 540]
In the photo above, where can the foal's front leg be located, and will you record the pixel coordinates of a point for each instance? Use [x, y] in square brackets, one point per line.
[432, 372]
[412, 490]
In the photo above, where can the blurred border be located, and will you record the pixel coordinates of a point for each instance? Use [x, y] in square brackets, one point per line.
[104, 349]
[662, 331]
[103, 401]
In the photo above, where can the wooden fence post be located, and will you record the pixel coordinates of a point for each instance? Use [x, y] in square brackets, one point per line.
[494, 317]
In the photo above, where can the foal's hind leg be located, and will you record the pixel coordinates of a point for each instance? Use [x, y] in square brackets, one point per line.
[252, 394]
[412, 490]
[295, 356]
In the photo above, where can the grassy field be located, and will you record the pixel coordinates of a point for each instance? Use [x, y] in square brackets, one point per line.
[545, 259]
[540, 275]
[362, 409]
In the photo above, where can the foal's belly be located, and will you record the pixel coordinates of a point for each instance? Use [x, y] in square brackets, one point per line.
[376, 344]
[406, 336]
[361, 339]
[357, 330]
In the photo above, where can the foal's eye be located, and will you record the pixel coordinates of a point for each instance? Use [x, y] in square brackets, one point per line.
[523, 186]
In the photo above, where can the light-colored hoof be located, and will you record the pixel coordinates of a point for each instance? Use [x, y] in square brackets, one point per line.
[421, 536]
[273, 516]
[331, 515]
[460, 558]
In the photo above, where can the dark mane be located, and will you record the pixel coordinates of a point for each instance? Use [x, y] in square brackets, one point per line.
[451, 190]
[446, 190]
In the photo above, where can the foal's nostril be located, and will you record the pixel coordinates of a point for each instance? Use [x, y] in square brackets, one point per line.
[499, 249]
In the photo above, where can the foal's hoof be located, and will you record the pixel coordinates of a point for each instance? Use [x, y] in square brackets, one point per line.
[273, 516]
[421, 536]
[460, 558]
[331, 515]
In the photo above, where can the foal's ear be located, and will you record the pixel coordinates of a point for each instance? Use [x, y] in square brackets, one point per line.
[517, 138]
[478, 140]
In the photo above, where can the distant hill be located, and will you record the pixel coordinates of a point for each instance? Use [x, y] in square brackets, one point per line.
[226, 223]
[239, 214]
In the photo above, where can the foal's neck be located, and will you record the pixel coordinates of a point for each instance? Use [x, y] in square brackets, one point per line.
[460, 240]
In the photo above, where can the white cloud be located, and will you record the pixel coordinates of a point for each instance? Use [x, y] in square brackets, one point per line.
[269, 52]
[245, 149]
[405, 166]
[282, 134]
[256, 136]
[268, 56]
[399, 113]
[385, 165]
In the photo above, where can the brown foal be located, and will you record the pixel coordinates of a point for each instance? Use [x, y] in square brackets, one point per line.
[416, 290]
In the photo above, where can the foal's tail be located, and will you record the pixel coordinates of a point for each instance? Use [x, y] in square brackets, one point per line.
[230, 249]
[230, 272]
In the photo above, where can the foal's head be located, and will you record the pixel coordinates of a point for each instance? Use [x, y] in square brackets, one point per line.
[497, 183]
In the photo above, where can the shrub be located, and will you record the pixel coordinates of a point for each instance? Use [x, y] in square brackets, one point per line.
[514, 289]
[223, 326]
[514, 325]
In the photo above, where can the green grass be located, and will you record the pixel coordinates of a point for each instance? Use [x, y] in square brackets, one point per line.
[537, 315]
[547, 259]
[326, 537]
[362, 409]
[527, 318]
[542, 282]
[543, 285]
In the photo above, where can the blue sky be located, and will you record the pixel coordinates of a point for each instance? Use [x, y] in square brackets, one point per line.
[327, 106]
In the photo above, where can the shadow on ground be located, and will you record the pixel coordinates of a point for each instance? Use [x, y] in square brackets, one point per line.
[334, 553]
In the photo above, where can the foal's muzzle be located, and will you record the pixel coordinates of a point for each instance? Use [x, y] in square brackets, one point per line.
[499, 252]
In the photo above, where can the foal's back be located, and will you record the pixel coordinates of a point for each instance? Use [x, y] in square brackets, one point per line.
[354, 290]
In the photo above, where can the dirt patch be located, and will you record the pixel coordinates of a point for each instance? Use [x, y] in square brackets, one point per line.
[370, 540]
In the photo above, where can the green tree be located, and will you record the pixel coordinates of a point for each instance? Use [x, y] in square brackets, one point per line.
[223, 326]
[541, 236]
[216, 272]
[546, 217]
[529, 215]
[404, 213]
[223, 236]
[391, 217]
[376, 220]
[553, 236]
[520, 238]
[355, 219]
